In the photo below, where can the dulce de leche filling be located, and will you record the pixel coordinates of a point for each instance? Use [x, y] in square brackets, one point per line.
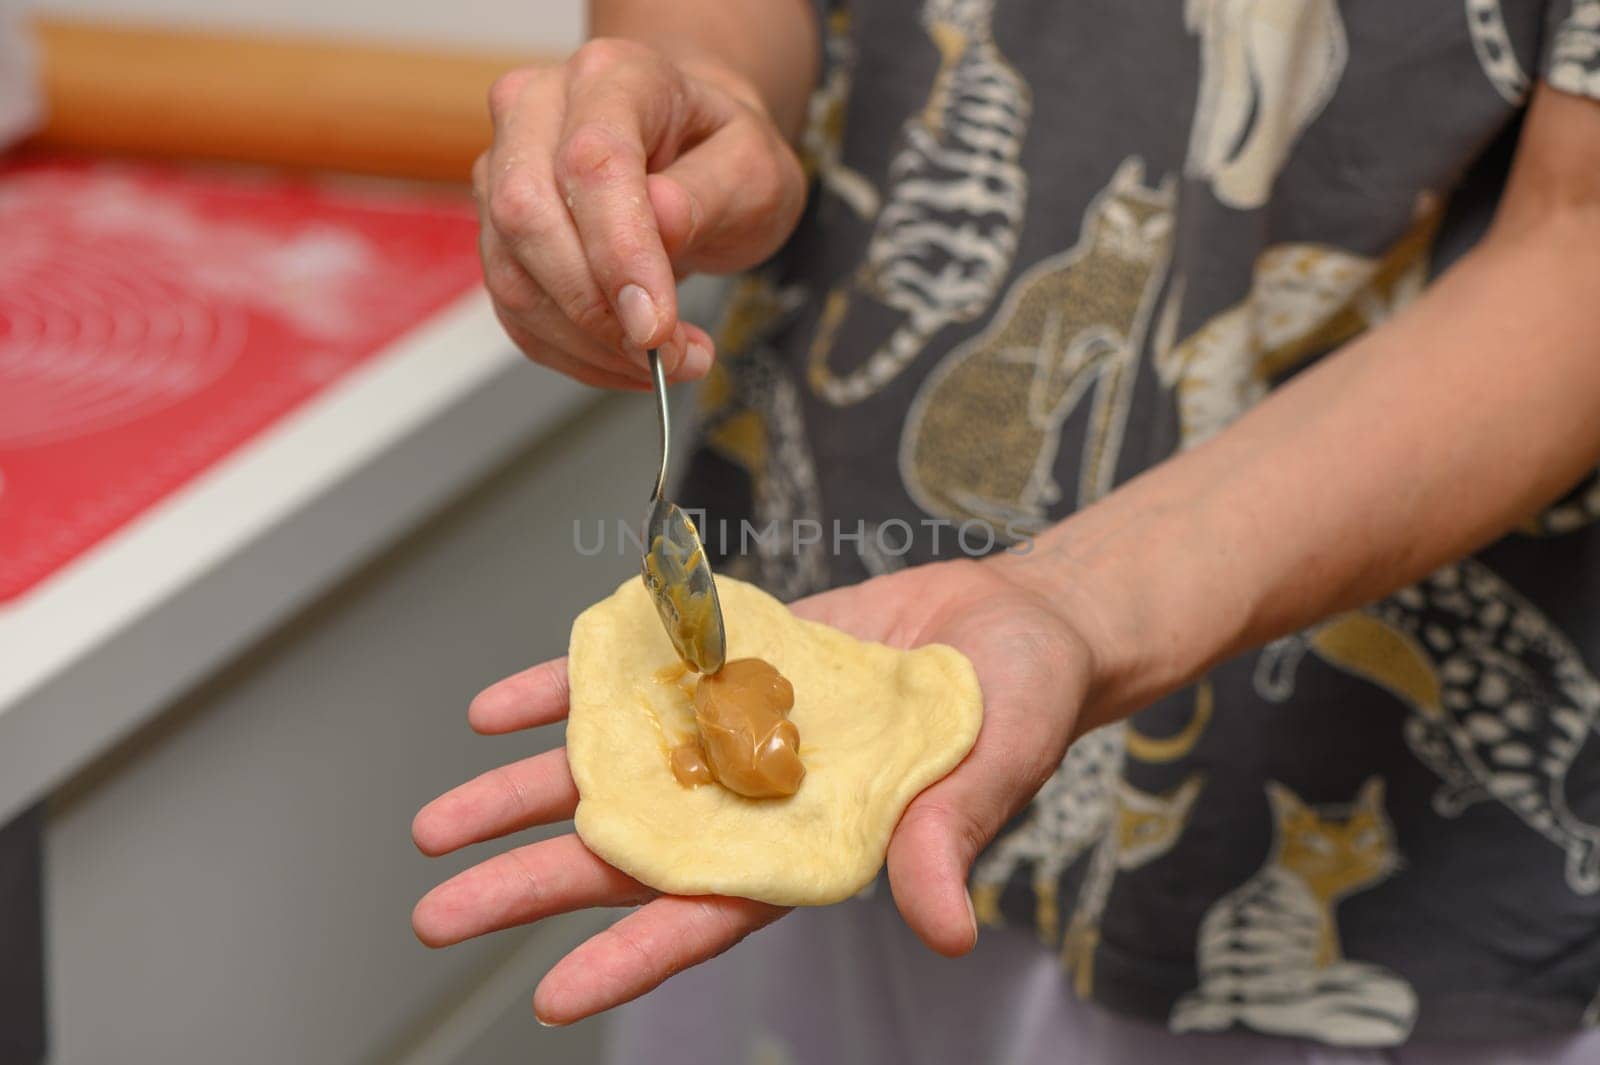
[747, 742]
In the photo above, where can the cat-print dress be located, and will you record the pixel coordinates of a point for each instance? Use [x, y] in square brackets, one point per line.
[1048, 246]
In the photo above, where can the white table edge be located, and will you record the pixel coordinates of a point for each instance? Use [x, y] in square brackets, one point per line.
[109, 641]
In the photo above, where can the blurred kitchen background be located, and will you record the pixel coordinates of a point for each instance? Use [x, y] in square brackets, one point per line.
[276, 499]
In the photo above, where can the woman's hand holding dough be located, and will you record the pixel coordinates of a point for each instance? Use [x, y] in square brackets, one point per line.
[1034, 669]
[876, 725]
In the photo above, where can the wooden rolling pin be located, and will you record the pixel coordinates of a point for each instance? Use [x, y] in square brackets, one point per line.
[328, 105]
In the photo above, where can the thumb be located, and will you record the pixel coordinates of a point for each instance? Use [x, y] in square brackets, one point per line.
[1020, 744]
[933, 847]
[727, 203]
[678, 215]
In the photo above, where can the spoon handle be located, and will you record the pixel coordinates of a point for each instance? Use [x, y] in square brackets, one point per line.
[660, 379]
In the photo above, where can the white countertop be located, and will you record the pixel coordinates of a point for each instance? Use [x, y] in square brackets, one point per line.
[113, 638]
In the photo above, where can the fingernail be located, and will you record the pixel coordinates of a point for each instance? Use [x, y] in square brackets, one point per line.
[696, 360]
[972, 915]
[546, 1024]
[638, 313]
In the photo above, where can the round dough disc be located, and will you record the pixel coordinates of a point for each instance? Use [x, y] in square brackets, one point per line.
[877, 725]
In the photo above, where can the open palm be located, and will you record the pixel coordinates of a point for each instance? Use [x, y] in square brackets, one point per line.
[1033, 668]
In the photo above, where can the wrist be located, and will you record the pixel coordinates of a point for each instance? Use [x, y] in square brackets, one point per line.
[1083, 602]
[1154, 611]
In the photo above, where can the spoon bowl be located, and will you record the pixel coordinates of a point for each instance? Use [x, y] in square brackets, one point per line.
[674, 566]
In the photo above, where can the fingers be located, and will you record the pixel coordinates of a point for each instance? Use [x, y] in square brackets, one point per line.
[934, 845]
[521, 203]
[611, 177]
[1023, 735]
[534, 321]
[699, 350]
[641, 950]
[522, 885]
[534, 697]
[711, 224]
[679, 217]
[534, 791]
[580, 370]
[623, 105]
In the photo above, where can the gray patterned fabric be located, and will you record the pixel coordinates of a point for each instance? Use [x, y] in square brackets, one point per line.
[1051, 244]
[851, 985]
[1572, 61]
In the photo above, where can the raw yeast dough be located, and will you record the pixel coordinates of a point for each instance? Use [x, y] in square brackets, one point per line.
[877, 725]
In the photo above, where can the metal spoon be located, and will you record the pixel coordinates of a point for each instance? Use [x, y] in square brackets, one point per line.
[675, 568]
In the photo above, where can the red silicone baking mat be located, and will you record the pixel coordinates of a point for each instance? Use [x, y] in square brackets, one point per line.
[153, 318]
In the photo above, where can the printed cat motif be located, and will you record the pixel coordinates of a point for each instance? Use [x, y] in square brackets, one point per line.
[1492, 43]
[1574, 50]
[1304, 299]
[751, 414]
[1269, 953]
[1068, 815]
[1075, 810]
[1144, 827]
[1501, 701]
[983, 433]
[822, 142]
[943, 243]
[1267, 69]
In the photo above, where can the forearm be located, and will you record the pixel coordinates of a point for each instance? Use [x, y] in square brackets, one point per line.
[769, 45]
[1417, 444]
